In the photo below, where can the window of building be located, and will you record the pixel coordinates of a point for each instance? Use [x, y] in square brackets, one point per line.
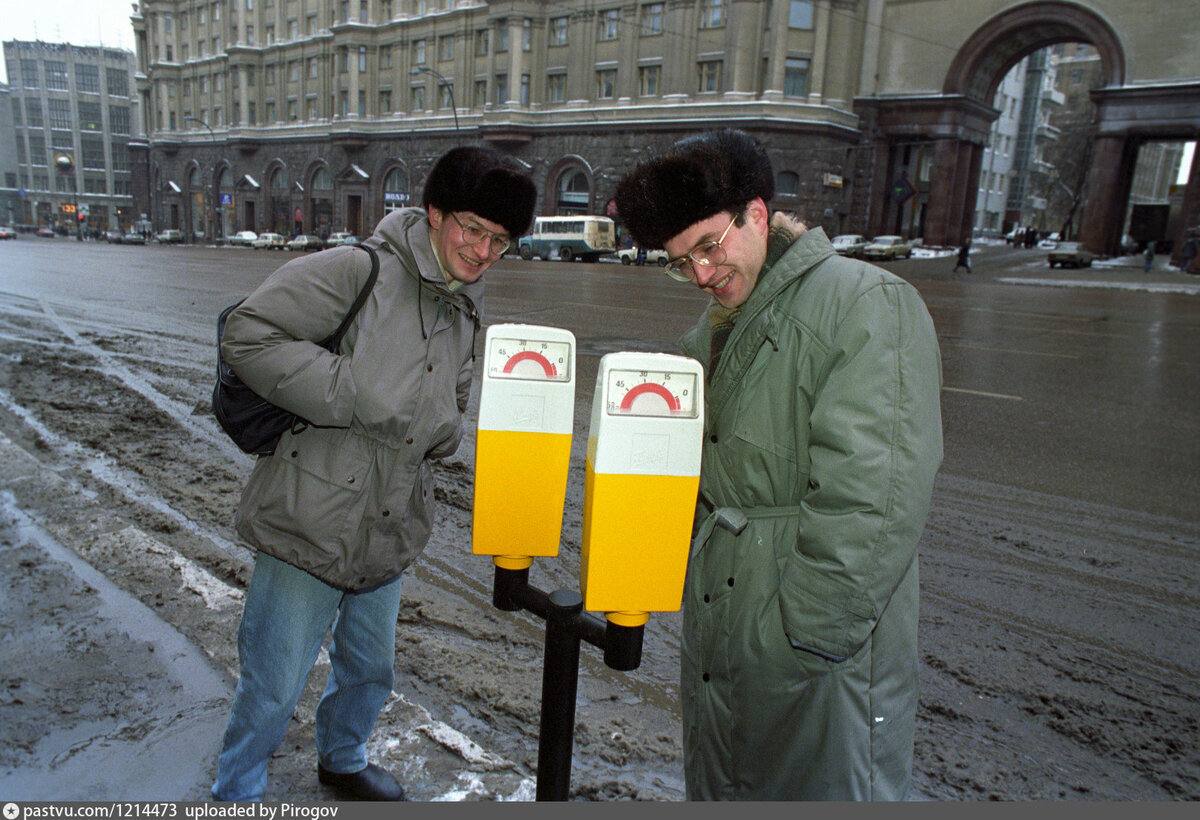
[418, 52]
[606, 83]
[362, 11]
[610, 19]
[343, 60]
[16, 112]
[269, 32]
[652, 19]
[558, 31]
[87, 78]
[787, 183]
[269, 112]
[311, 108]
[252, 113]
[56, 76]
[250, 35]
[446, 48]
[117, 81]
[344, 103]
[385, 102]
[93, 153]
[481, 42]
[385, 56]
[525, 84]
[59, 113]
[29, 73]
[501, 89]
[800, 14]
[712, 13]
[89, 116]
[314, 68]
[293, 109]
[556, 88]
[648, 80]
[445, 95]
[251, 76]
[33, 113]
[795, 77]
[502, 37]
[362, 59]
[417, 99]
[480, 99]
[218, 82]
[269, 74]
[710, 76]
[37, 150]
[118, 119]
[527, 35]
[395, 190]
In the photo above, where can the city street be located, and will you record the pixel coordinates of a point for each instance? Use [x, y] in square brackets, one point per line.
[1059, 572]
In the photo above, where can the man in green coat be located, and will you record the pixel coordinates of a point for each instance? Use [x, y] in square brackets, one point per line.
[822, 437]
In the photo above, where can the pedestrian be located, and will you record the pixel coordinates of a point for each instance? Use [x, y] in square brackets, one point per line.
[1188, 252]
[822, 438]
[341, 509]
[964, 257]
[1149, 256]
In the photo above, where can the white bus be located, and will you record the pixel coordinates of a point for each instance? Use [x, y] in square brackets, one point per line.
[569, 237]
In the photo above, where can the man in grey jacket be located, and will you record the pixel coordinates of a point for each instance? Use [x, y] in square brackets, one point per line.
[340, 509]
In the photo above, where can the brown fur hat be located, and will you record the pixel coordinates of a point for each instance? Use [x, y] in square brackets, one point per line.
[485, 183]
[694, 179]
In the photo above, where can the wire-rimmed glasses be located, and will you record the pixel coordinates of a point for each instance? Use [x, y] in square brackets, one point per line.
[709, 253]
[473, 234]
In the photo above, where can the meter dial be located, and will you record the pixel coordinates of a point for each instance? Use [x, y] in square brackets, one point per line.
[536, 359]
[651, 393]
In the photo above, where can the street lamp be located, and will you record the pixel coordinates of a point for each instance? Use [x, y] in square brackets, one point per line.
[210, 196]
[424, 69]
[66, 167]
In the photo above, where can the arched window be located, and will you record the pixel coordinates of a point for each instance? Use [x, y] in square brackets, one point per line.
[787, 183]
[321, 202]
[395, 190]
[574, 193]
[280, 202]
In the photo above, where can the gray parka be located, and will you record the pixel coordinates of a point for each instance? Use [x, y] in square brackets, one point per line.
[349, 500]
[823, 434]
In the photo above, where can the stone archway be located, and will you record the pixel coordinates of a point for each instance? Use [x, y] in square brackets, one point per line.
[955, 125]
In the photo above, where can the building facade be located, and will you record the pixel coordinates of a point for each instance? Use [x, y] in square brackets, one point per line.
[320, 115]
[73, 113]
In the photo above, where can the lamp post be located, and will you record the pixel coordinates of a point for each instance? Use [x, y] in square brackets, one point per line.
[210, 196]
[424, 69]
[66, 167]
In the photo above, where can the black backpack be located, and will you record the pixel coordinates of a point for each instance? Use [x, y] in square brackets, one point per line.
[253, 423]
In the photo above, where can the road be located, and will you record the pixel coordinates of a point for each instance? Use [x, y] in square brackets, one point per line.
[1058, 564]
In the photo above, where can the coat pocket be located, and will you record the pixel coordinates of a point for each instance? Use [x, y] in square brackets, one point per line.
[308, 490]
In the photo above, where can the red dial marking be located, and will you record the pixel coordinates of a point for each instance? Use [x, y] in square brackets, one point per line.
[649, 387]
[531, 356]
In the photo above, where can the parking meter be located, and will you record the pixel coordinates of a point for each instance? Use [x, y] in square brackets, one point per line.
[523, 442]
[643, 474]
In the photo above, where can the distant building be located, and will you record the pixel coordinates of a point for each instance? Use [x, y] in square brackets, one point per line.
[76, 104]
[995, 176]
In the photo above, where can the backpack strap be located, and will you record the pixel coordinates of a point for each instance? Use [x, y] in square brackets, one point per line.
[334, 340]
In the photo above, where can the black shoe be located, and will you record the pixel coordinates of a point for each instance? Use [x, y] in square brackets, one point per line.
[372, 783]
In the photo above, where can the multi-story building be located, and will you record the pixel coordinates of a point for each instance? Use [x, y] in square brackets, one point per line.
[1039, 98]
[74, 114]
[322, 115]
[995, 175]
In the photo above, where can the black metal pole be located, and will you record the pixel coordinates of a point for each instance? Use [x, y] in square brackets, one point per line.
[560, 683]
[567, 626]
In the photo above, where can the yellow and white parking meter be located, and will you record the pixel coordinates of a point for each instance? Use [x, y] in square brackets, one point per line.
[523, 443]
[643, 473]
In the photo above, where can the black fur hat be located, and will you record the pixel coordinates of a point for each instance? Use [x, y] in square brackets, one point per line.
[486, 184]
[694, 179]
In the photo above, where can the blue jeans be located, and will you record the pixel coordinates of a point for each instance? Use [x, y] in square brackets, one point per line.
[286, 616]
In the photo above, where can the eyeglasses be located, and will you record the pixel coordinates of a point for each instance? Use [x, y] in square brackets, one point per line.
[708, 254]
[474, 234]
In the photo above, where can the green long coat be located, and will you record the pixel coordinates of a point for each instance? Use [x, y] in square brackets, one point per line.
[823, 434]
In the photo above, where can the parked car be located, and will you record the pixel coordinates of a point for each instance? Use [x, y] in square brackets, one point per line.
[46, 232]
[628, 256]
[113, 237]
[1072, 254]
[241, 238]
[133, 238]
[270, 241]
[306, 242]
[849, 244]
[168, 237]
[7, 232]
[887, 247]
[341, 238]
